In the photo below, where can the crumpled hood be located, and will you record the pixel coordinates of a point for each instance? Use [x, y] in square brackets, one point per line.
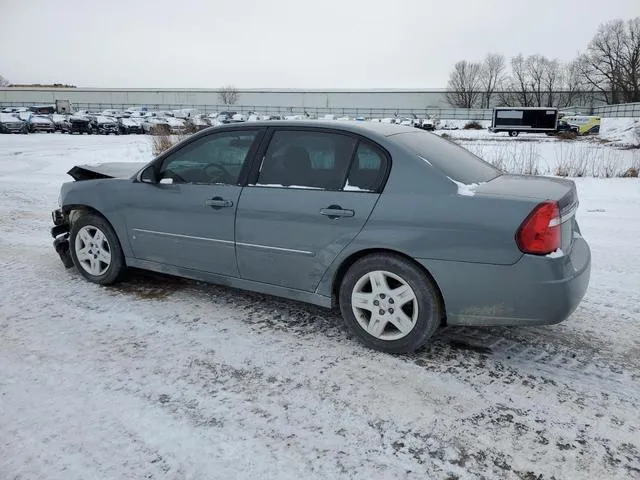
[105, 170]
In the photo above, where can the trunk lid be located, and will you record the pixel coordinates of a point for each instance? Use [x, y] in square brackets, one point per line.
[539, 189]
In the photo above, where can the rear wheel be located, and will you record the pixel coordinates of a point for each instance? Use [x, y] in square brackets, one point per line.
[95, 250]
[513, 133]
[389, 303]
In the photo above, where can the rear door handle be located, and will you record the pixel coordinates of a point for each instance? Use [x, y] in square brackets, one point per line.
[218, 202]
[336, 211]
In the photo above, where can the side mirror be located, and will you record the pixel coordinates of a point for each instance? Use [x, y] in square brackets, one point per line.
[149, 175]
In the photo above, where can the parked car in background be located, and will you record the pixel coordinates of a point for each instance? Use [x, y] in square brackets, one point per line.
[584, 124]
[43, 109]
[61, 122]
[197, 122]
[130, 125]
[226, 116]
[12, 123]
[106, 125]
[430, 123]
[111, 113]
[408, 120]
[14, 109]
[155, 125]
[564, 126]
[81, 124]
[185, 113]
[325, 213]
[41, 123]
[177, 126]
[133, 114]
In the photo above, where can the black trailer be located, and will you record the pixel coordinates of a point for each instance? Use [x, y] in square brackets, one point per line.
[524, 119]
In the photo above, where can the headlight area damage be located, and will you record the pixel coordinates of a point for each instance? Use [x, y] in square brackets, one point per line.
[63, 218]
[60, 233]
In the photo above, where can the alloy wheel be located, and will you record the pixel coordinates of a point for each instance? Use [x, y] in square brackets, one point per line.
[384, 305]
[92, 250]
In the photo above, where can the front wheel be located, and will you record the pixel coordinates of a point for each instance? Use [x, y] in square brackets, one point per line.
[95, 250]
[513, 133]
[389, 303]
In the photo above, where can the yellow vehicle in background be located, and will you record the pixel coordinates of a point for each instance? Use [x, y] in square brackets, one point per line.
[585, 124]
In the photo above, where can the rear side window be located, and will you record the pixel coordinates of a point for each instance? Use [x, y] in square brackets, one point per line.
[367, 170]
[306, 159]
[454, 161]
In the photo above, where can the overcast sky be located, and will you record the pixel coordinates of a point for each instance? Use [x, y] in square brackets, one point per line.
[283, 43]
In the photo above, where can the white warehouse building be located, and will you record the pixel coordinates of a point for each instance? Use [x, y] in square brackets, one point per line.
[368, 103]
[254, 99]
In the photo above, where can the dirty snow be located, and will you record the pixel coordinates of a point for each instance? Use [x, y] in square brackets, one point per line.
[163, 378]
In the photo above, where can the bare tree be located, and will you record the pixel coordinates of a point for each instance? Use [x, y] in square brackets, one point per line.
[572, 89]
[611, 64]
[491, 76]
[535, 68]
[228, 95]
[552, 82]
[463, 89]
[4, 82]
[520, 81]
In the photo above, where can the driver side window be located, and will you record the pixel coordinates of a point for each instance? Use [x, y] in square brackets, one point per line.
[216, 158]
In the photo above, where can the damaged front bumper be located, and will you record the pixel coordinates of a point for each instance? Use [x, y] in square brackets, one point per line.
[60, 233]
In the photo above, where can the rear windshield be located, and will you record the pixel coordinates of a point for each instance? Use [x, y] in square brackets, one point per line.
[454, 161]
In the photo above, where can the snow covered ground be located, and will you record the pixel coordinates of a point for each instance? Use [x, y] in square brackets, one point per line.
[162, 378]
[609, 154]
[619, 131]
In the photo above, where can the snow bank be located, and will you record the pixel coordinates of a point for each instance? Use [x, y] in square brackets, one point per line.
[459, 124]
[624, 131]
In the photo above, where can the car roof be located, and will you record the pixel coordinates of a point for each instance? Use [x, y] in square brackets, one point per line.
[354, 126]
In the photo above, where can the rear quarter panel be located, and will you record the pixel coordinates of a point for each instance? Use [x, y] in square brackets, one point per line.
[421, 214]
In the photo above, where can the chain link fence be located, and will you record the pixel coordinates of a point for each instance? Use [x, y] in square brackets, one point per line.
[283, 111]
[621, 110]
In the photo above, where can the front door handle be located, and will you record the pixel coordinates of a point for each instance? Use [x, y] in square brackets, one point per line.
[218, 202]
[336, 211]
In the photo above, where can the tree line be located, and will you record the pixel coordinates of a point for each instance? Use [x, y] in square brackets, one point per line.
[608, 71]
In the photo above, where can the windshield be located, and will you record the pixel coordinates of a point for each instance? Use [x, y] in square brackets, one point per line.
[454, 161]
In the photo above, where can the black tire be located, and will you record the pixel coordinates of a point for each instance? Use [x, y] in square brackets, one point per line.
[513, 133]
[117, 266]
[429, 310]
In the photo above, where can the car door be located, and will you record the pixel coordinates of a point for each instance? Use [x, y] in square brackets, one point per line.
[302, 210]
[186, 217]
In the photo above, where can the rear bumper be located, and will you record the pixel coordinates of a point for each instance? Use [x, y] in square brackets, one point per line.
[533, 291]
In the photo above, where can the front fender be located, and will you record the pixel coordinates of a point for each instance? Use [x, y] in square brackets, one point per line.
[101, 196]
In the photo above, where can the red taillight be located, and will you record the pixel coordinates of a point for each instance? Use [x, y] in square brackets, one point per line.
[540, 233]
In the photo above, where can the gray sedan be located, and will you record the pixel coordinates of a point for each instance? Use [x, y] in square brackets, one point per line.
[401, 230]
